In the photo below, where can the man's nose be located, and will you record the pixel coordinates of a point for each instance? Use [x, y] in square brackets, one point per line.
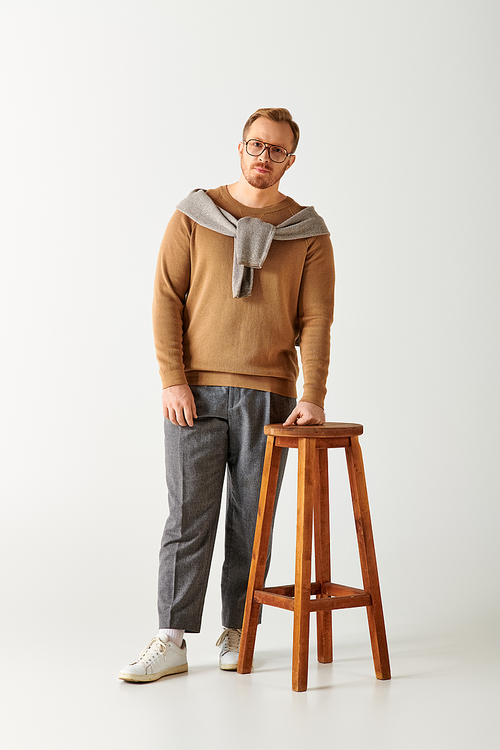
[265, 154]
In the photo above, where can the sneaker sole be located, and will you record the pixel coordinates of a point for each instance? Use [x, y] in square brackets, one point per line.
[228, 667]
[152, 677]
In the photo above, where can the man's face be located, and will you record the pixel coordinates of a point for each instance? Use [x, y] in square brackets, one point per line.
[260, 171]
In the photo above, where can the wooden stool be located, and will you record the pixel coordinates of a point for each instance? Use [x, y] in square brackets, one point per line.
[312, 496]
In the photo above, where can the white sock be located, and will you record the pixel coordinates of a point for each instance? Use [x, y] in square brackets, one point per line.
[176, 636]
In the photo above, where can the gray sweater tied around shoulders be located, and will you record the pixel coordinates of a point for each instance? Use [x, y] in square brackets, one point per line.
[252, 236]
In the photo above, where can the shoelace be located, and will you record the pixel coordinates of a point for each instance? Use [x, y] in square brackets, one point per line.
[230, 637]
[151, 651]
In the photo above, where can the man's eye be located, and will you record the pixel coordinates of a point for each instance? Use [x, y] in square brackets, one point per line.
[258, 144]
[278, 151]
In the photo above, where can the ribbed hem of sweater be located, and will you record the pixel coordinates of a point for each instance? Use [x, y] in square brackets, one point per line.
[256, 382]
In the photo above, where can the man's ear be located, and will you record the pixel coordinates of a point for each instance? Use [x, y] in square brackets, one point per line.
[291, 160]
[241, 146]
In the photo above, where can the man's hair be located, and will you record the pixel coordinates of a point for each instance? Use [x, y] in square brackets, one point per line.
[279, 114]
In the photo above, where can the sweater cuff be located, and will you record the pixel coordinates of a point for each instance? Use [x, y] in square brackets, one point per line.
[173, 377]
[314, 396]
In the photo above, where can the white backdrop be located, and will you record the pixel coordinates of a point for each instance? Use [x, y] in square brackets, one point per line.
[112, 112]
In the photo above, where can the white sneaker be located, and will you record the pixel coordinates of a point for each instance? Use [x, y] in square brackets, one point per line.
[229, 643]
[157, 660]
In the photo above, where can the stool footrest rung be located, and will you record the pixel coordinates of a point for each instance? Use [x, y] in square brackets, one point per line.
[333, 596]
[340, 602]
[273, 600]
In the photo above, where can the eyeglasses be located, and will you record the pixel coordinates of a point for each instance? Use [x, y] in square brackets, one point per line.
[277, 154]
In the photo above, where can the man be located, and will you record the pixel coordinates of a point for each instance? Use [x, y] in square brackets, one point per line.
[244, 273]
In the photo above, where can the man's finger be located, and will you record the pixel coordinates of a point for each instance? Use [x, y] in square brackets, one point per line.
[171, 416]
[303, 420]
[291, 419]
[180, 417]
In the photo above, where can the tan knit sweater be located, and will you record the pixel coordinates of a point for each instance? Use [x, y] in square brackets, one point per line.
[203, 336]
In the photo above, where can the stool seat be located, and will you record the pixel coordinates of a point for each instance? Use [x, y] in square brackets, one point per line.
[328, 429]
[313, 442]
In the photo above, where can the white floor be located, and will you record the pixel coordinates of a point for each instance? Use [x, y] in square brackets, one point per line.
[64, 693]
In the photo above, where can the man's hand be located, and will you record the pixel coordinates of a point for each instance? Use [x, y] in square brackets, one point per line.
[305, 413]
[178, 405]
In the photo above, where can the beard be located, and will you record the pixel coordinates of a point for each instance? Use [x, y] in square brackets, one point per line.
[263, 181]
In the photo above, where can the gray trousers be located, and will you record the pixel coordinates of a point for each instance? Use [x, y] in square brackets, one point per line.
[229, 432]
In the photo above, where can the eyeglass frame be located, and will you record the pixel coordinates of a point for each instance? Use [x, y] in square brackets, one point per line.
[267, 147]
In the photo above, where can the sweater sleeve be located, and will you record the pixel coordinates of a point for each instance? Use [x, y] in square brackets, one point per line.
[315, 314]
[171, 285]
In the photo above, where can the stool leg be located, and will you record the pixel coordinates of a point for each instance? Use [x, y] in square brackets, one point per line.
[368, 559]
[306, 491]
[259, 554]
[322, 555]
